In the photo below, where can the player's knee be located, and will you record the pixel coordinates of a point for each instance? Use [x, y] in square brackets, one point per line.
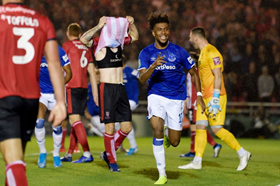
[57, 130]
[216, 128]
[158, 133]
[40, 123]
[175, 142]
[128, 129]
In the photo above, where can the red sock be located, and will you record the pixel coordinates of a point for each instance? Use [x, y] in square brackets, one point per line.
[210, 139]
[119, 136]
[73, 141]
[64, 132]
[109, 143]
[81, 135]
[15, 174]
[193, 133]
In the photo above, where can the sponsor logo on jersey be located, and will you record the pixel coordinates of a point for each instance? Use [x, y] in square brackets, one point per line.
[115, 60]
[190, 60]
[44, 65]
[216, 61]
[65, 58]
[167, 67]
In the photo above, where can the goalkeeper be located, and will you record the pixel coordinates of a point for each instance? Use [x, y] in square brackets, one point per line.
[210, 65]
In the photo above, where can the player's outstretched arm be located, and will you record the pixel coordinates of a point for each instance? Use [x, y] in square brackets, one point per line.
[197, 84]
[86, 38]
[58, 113]
[133, 32]
[145, 74]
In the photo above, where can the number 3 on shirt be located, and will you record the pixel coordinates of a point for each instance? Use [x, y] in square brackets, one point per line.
[23, 43]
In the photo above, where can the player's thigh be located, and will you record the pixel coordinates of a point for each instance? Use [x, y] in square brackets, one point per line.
[17, 117]
[201, 118]
[76, 100]
[42, 111]
[48, 100]
[219, 120]
[174, 112]
[156, 106]
[108, 101]
[123, 113]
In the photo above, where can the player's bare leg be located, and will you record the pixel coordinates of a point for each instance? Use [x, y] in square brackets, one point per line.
[12, 152]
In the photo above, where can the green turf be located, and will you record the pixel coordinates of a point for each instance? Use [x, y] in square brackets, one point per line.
[140, 169]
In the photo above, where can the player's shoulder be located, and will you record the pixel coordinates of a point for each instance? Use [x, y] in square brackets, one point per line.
[176, 47]
[67, 44]
[147, 49]
[60, 50]
[211, 48]
[128, 69]
[22, 10]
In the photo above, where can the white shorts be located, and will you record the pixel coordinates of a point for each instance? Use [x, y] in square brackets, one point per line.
[170, 110]
[133, 105]
[95, 120]
[48, 100]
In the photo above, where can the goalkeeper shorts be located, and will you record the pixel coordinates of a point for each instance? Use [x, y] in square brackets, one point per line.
[206, 118]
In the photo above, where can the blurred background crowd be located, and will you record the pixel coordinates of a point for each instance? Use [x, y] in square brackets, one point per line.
[246, 32]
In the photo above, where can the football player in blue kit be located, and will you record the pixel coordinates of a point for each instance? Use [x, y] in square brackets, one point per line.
[46, 102]
[162, 64]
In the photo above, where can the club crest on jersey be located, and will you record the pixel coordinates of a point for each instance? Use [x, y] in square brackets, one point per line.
[216, 61]
[171, 58]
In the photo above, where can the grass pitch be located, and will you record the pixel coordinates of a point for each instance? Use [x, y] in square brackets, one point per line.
[140, 169]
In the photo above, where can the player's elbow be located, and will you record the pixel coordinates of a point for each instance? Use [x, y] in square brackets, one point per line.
[134, 38]
[141, 79]
[84, 41]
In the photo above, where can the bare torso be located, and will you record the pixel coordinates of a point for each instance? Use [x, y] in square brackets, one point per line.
[109, 75]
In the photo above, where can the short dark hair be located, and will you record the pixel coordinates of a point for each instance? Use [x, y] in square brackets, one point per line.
[199, 31]
[157, 17]
[74, 29]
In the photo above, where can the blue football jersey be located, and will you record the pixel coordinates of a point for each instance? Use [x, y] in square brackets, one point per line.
[44, 79]
[93, 109]
[130, 81]
[167, 80]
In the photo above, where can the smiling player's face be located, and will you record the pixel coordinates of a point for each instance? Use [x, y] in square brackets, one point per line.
[161, 33]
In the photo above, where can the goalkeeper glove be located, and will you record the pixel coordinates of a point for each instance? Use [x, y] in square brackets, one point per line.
[214, 103]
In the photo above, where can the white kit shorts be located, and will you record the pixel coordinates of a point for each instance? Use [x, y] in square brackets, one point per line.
[170, 110]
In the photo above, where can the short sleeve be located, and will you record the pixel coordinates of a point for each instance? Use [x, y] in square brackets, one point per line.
[135, 73]
[64, 60]
[50, 30]
[215, 59]
[143, 60]
[186, 59]
[94, 44]
[90, 58]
